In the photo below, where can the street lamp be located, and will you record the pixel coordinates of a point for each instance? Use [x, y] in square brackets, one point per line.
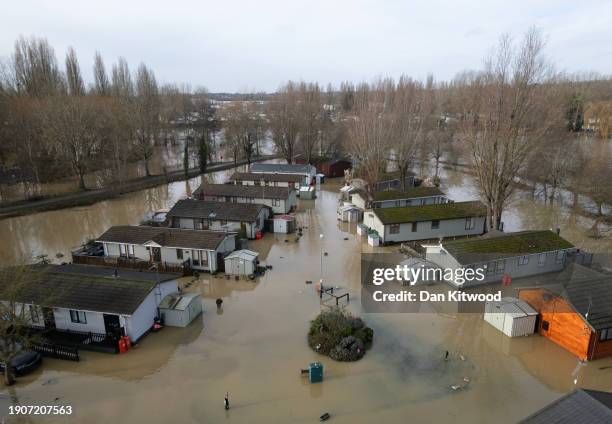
[321, 252]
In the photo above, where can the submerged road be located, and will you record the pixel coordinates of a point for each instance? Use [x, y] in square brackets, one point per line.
[88, 197]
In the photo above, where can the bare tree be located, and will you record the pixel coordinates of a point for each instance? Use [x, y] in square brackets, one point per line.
[74, 80]
[410, 113]
[310, 116]
[369, 134]
[146, 114]
[101, 82]
[284, 121]
[35, 68]
[506, 113]
[71, 124]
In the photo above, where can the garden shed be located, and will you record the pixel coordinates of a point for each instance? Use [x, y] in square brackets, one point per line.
[178, 310]
[511, 316]
[241, 262]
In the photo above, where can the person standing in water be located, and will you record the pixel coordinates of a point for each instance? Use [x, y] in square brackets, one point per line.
[226, 400]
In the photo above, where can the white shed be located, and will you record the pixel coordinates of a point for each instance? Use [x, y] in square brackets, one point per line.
[241, 262]
[178, 310]
[511, 316]
[348, 212]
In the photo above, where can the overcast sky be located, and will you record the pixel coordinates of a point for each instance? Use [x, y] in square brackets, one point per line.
[257, 45]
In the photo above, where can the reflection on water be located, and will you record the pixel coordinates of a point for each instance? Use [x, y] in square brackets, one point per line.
[255, 347]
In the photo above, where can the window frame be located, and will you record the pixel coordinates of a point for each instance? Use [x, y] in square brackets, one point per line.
[498, 269]
[415, 227]
[470, 223]
[76, 317]
[437, 226]
[523, 260]
[394, 228]
[560, 256]
[540, 261]
[34, 316]
[605, 335]
[179, 254]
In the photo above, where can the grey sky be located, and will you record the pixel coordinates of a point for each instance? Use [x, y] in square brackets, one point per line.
[257, 45]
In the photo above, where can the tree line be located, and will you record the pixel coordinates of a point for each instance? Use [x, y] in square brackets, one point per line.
[516, 119]
[53, 125]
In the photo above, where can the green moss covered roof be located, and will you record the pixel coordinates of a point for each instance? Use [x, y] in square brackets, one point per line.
[430, 212]
[505, 245]
[409, 194]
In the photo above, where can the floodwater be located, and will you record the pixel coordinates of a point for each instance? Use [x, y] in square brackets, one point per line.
[255, 346]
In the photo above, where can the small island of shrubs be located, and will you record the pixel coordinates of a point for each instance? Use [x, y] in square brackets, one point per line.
[339, 335]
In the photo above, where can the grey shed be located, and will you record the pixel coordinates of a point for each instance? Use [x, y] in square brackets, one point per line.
[241, 262]
[178, 310]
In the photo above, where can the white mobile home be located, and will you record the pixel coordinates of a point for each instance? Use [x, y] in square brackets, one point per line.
[265, 179]
[428, 222]
[100, 300]
[199, 250]
[520, 254]
[280, 199]
[218, 216]
[307, 172]
[418, 196]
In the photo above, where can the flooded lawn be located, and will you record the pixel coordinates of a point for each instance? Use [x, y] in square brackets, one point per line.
[256, 345]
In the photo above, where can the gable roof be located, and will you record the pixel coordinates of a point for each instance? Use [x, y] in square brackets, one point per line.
[243, 254]
[505, 245]
[591, 298]
[283, 168]
[439, 211]
[268, 177]
[193, 208]
[580, 406]
[79, 290]
[108, 272]
[237, 190]
[165, 237]
[414, 193]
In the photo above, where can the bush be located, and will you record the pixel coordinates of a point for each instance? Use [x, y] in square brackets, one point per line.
[340, 336]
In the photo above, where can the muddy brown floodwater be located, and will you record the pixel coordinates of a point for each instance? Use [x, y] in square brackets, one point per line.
[256, 345]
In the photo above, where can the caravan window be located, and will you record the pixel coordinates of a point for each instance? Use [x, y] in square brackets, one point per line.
[435, 225]
[122, 250]
[542, 259]
[606, 334]
[394, 229]
[523, 260]
[34, 314]
[78, 317]
[560, 256]
[275, 202]
[470, 224]
[131, 250]
[500, 266]
[179, 253]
